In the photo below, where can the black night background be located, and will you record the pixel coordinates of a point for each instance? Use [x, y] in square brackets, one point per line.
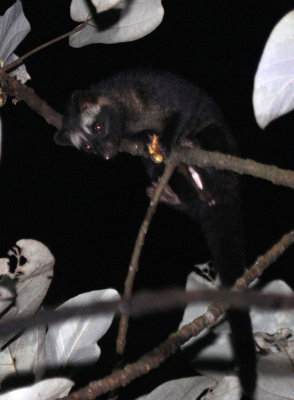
[88, 211]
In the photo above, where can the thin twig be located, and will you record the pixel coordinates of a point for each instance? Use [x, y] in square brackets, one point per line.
[172, 344]
[21, 59]
[134, 264]
[12, 360]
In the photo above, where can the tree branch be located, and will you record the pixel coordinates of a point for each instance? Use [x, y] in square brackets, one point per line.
[14, 88]
[195, 156]
[134, 264]
[204, 158]
[172, 344]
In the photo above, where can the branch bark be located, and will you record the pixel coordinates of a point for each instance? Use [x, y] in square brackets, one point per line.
[199, 157]
[14, 88]
[203, 158]
[134, 264]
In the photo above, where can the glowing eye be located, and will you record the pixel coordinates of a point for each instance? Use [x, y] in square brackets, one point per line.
[89, 148]
[97, 127]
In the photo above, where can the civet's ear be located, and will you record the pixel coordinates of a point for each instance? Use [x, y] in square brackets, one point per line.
[62, 138]
[82, 100]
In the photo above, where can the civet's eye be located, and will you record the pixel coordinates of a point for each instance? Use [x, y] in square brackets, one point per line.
[97, 127]
[89, 148]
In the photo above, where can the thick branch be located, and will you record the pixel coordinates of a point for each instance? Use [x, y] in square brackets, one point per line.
[218, 160]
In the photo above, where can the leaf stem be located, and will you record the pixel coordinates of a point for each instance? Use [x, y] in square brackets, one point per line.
[20, 60]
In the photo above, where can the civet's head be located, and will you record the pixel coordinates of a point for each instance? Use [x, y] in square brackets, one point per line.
[92, 124]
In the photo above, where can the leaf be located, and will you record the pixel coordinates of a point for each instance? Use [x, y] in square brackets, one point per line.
[26, 355]
[74, 341]
[275, 380]
[29, 351]
[181, 389]
[278, 318]
[13, 29]
[213, 344]
[274, 79]
[103, 5]
[50, 389]
[141, 18]
[199, 280]
[275, 377]
[227, 389]
[20, 72]
[79, 10]
[33, 276]
[7, 290]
